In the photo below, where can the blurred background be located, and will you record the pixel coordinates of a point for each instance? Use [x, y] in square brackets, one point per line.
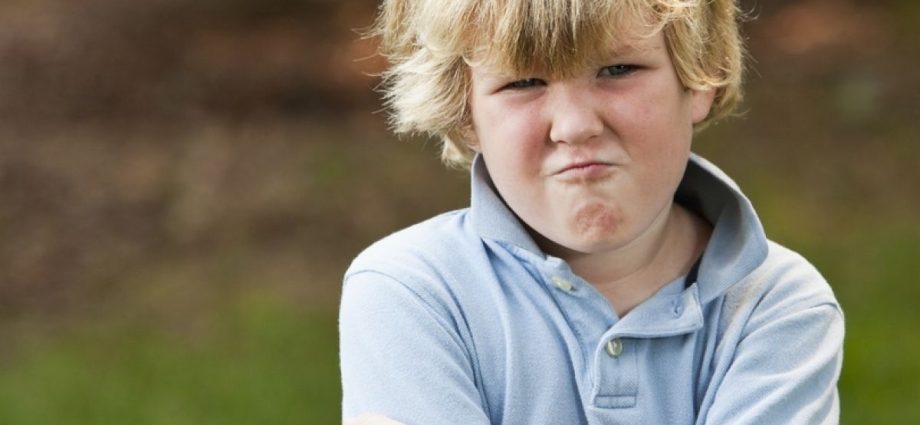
[182, 185]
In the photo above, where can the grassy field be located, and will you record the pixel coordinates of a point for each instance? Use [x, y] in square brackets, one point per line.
[260, 361]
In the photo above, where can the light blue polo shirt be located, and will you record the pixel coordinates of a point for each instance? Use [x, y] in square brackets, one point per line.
[462, 319]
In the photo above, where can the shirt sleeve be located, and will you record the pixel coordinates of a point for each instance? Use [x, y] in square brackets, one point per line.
[402, 356]
[784, 371]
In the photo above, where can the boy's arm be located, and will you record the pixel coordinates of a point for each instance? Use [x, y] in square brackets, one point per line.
[402, 357]
[784, 371]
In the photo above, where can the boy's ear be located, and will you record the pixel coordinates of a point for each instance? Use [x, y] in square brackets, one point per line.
[702, 103]
[470, 139]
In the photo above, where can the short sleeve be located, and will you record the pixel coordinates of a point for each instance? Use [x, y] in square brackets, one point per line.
[784, 371]
[402, 356]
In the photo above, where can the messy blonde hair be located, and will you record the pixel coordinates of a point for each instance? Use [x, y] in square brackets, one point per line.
[430, 43]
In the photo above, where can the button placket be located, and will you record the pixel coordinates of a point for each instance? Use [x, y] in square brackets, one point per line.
[616, 373]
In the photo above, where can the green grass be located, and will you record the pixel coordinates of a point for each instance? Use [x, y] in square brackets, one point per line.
[877, 274]
[261, 362]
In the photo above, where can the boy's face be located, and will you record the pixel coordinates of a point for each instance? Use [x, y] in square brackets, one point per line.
[589, 162]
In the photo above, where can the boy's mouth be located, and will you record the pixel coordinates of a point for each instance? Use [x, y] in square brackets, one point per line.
[585, 170]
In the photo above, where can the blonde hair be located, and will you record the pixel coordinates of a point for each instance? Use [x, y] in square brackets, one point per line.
[430, 43]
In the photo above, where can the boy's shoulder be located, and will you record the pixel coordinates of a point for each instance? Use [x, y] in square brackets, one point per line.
[795, 274]
[784, 281]
[436, 262]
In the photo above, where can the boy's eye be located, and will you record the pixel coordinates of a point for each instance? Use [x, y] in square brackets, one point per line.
[617, 70]
[523, 84]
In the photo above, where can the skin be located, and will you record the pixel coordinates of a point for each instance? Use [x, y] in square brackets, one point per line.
[590, 164]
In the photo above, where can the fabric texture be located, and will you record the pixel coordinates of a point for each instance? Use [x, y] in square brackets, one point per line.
[462, 319]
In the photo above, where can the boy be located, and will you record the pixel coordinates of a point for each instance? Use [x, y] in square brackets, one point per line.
[603, 274]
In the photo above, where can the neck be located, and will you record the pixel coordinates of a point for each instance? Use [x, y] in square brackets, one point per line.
[630, 274]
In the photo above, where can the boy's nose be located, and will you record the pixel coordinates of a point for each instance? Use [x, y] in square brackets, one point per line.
[574, 117]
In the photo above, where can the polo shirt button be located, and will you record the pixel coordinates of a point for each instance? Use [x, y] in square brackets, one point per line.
[563, 283]
[614, 347]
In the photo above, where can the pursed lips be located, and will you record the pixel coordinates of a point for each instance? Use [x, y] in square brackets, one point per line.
[585, 170]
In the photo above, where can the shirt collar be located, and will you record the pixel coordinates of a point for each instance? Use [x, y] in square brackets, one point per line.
[738, 244]
[736, 247]
[491, 217]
